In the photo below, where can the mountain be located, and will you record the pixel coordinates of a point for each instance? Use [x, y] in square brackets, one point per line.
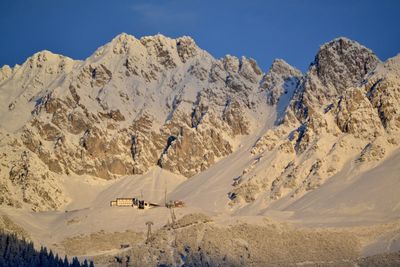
[133, 104]
[156, 114]
[344, 110]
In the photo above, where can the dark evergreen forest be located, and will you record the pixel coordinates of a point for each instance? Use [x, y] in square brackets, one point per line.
[16, 252]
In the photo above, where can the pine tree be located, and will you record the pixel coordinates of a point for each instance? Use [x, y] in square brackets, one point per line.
[21, 253]
[50, 257]
[75, 262]
[43, 257]
[7, 248]
[66, 263]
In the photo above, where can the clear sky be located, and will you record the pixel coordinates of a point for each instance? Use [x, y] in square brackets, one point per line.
[292, 29]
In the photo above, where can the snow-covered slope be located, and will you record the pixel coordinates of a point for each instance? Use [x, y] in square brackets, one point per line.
[155, 101]
[327, 126]
[140, 116]
[132, 105]
[353, 195]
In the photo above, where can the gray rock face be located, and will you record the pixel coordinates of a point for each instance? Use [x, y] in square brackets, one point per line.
[184, 152]
[278, 79]
[338, 65]
[346, 108]
[133, 104]
[343, 63]
[139, 103]
[356, 115]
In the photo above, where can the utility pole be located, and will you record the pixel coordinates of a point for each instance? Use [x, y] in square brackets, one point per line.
[165, 193]
[149, 224]
[173, 217]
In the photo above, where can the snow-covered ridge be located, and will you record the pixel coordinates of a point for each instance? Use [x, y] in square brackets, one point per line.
[344, 111]
[155, 101]
[133, 104]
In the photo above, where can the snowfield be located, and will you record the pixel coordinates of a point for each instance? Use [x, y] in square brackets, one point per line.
[278, 168]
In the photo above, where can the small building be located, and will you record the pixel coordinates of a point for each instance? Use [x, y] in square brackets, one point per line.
[124, 202]
[132, 202]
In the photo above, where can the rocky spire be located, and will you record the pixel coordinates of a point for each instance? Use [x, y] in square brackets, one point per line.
[338, 65]
[279, 77]
[342, 63]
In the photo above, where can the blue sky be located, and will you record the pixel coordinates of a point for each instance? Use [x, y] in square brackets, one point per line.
[265, 30]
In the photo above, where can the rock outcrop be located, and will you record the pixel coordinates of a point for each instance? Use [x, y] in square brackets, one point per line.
[279, 80]
[345, 108]
[133, 104]
[138, 103]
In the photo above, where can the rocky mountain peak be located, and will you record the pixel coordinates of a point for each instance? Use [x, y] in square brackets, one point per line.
[170, 52]
[278, 79]
[186, 47]
[123, 43]
[342, 63]
[5, 72]
[345, 109]
[279, 63]
[250, 70]
[245, 67]
[44, 55]
[123, 37]
[339, 65]
[138, 103]
[157, 40]
[46, 58]
[231, 63]
[167, 51]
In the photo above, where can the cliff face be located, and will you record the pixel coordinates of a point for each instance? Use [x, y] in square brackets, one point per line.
[344, 109]
[279, 79]
[138, 103]
[133, 104]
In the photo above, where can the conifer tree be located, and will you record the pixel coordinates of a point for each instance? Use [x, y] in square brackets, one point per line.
[21, 253]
